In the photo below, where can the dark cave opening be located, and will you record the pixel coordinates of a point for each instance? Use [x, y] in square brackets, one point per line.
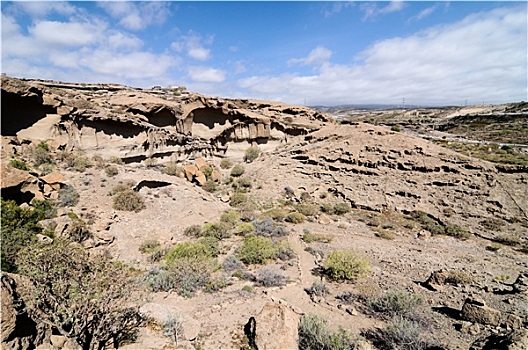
[20, 112]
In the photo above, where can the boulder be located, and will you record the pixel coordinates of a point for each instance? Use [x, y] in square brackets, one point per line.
[521, 283]
[190, 171]
[200, 163]
[276, 327]
[476, 310]
[200, 178]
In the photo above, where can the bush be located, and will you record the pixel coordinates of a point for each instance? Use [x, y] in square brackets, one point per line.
[336, 209]
[231, 263]
[283, 251]
[237, 199]
[111, 170]
[116, 160]
[396, 128]
[251, 154]
[128, 200]
[210, 186]
[68, 196]
[314, 334]
[41, 154]
[346, 265]
[193, 230]
[121, 187]
[245, 228]
[77, 230]
[149, 246]
[269, 277]
[318, 288]
[226, 163]
[238, 170]
[99, 161]
[400, 333]
[276, 214]
[316, 237]
[456, 231]
[256, 250]
[191, 250]
[307, 209]
[230, 217]
[173, 169]
[216, 230]
[243, 184]
[295, 218]
[268, 228]
[18, 164]
[395, 303]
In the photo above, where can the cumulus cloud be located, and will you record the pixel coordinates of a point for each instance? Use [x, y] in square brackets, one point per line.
[481, 58]
[136, 15]
[206, 74]
[66, 34]
[194, 45]
[316, 57]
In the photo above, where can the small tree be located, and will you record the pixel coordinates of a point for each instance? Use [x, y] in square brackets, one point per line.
[85, 299]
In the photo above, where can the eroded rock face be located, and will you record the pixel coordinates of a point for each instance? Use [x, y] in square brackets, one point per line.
[136, 124]
[476, 310]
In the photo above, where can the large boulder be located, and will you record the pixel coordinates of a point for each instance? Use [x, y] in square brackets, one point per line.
[276, 327]
[476, 310]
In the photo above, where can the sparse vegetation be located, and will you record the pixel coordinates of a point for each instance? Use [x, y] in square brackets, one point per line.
[68, 196]
[128, 200]
[270, 277]
[210, 186]
[251, 154]
[111, 170]
[491, 152]
[295, 218]
[238, 170]
[336, 209]
[41, 154]
[314, 334]
[316, 237]
[346, 265]
[226, 163]
[256, 250]
[238, 199]
[268, 228]
[87, 299]
[18, 164]
[173, 169]
[317, 288]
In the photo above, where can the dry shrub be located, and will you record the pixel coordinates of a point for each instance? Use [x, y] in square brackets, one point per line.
[128, 200]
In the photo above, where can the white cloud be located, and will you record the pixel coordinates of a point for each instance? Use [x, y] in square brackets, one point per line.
[66, 34]
[481, 58]
[194, 45]
[206, 74]
[136, 15]
[39, 9]
[336, 8]
[424, 13]
[316, 57]
[120, 40]
[372, 10]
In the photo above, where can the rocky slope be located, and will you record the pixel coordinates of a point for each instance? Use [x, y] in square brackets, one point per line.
[420, 212]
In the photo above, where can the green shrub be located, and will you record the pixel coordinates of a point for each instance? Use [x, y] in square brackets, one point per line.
[230, 217]
[317, 237]
[307, 209]
[251, 154]
[68, 196]
[341, 208]
[245, 228]
[243, 184]
[196, 250]
[346, 265]
[18, 164]
[128, 200]
[276, 214]
[314, 334]
[149, 246]
[77, 230]
[210, 186]
[247, 288]
[238, 199]
[99, 161]
[226, 163]
[40, 154]
[396, 128]
[218, 230]
[193, 230]
[295, 218]
[173, 169]
[18, 230]
[122, 187]
[111, 170]
[238, 170]
[216, 284]
[456, 231]
[256, 250]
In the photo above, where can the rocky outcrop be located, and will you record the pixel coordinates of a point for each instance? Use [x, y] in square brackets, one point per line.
[476, 310]
[276, 327]
[136, 124]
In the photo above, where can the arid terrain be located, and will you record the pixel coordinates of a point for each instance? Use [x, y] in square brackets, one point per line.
[431, 203]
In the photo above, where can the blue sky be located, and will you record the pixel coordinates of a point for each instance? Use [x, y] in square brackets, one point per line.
[327, 53]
